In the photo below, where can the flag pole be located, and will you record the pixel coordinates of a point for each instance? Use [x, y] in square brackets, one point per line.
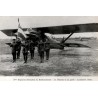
[11, 36]
[18, 27]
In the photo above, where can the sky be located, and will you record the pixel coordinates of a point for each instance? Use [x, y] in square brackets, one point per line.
[11, 22]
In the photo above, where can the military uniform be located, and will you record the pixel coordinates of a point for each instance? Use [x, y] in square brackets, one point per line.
[25, 51]
[32, 48]
[38, 48]
[41, 50]
[13, 45]
[47, 49]
[18, 48]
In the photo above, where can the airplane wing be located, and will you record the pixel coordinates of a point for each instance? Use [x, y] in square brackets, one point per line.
[11, 32]
[61, 29]
[67, 29]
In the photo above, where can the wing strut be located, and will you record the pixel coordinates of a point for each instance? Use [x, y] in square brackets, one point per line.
[67, 38]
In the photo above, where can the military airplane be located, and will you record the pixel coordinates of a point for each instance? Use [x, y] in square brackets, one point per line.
[39, 33]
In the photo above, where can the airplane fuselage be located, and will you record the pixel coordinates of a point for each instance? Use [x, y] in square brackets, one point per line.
[56, 46]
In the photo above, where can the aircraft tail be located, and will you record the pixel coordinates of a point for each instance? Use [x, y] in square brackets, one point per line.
[51, 40]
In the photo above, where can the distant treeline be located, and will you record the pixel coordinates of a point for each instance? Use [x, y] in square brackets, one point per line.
[78, 38]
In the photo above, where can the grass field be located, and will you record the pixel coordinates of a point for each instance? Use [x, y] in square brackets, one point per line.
[70, 62]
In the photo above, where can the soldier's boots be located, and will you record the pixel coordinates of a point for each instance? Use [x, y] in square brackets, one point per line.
[25, 61]
[41, 61]
[14, 61]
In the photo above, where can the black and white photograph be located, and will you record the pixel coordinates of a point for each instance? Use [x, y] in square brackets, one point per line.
[49, 46]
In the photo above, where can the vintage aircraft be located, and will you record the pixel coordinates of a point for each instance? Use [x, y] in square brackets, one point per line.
[38, 33]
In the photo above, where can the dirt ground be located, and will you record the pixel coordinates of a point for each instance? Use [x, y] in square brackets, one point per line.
[69, 62]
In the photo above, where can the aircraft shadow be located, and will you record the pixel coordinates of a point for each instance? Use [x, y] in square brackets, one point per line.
[67, 53]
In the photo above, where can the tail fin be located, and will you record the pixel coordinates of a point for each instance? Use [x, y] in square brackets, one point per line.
[50, 39]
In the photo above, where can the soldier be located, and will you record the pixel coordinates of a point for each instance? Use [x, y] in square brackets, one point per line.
[41, 50]
[25, 51]
[32, 48]
[13, 45]
[18, 41]
[38, 48]
[47, 49]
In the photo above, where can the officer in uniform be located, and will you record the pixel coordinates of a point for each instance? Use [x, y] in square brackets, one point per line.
[41, 50]
[47, 49]
[14, 46]
[25, 50]
[32, 48]
[38, 48]
[18, 41]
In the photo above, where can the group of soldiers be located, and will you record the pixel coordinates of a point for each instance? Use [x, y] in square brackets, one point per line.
[29, 46]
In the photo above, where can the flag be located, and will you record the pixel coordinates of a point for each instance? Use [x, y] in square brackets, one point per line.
[20, 31]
